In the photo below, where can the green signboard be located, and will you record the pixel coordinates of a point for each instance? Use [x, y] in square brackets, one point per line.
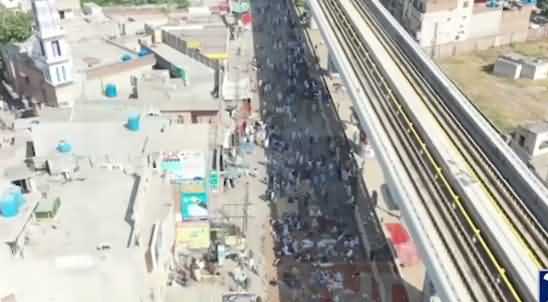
[214, 180]
[181, 73]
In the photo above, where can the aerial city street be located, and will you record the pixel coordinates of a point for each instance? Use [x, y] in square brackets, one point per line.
[273, 150]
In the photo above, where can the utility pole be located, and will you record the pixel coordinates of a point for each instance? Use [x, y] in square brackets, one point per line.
[245, 209]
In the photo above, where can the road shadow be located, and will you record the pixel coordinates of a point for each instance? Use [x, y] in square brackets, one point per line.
[292, 278]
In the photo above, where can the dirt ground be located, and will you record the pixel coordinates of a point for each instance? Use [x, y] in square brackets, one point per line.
[507, 103]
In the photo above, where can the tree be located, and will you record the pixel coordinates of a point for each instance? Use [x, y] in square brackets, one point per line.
[182, 3]
[543, 7]
[14, 26]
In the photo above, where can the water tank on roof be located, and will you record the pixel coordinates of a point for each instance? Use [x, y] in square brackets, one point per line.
[144, 51]
[126, 57]
[134, 122]
[64, 147]
[111, 91]
[10, 201]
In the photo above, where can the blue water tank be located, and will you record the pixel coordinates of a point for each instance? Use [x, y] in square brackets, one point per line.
[111, 91]
[11, 201]
[126, 57]
[134, 122]
[64, 147]
[144, 51]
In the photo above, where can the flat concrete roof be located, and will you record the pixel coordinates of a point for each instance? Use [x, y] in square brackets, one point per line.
[198, 72]
[88, 45]
[212, 38]
[522, 59]
[537, 128]
[63, 263]
[93, 211]
[173, 95]
[107, 278]
[115, 141]
[104, 111]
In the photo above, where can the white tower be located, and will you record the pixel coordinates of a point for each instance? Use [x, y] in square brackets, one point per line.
[52, 52]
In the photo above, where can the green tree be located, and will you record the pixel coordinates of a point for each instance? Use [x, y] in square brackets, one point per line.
[14, 26]
[182, 3]
[543, 6]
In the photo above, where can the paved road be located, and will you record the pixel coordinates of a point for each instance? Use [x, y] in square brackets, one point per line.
[304, 152]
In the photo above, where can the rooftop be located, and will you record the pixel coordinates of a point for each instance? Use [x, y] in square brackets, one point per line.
[210, 38]
[516, 57]
[538, 127]
[198, 72]
[93, 212]
[115, 142]
[83, 36]
[158, 91]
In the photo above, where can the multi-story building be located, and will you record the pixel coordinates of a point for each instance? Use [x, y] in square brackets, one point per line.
[437, 22]
[52, 56]
[40, 69]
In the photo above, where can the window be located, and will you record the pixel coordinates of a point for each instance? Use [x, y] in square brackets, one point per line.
[56, 48]
[465, 4]
[522, 140]
[64, 73]
[42, 49]
[58, 74]
[543, 145]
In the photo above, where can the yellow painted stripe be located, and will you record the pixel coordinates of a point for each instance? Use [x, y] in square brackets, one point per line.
[217, 56]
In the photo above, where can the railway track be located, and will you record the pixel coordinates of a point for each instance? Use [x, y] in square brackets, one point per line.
[525, 227]
[484, 269]
[457, 241]
[507, 199]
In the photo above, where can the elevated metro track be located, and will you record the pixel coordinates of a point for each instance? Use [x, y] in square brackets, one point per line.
[487, 245]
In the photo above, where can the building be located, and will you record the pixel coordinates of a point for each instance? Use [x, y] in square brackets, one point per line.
[113, 213]
[531, 144]
[23, 5]
[173, 99]
[52, 56]
[67, 9]
[438, 22]
[516, 66]
[40, 69]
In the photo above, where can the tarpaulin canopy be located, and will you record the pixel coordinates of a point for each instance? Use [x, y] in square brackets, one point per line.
[404, 246]
[247, 19]
[240, 8]
[398, 233]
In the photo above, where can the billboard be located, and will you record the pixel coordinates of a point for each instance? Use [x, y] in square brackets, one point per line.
[193, 234]
[194, 205]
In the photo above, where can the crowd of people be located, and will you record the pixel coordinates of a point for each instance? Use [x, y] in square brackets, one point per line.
[307, 166]
[299, 152]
